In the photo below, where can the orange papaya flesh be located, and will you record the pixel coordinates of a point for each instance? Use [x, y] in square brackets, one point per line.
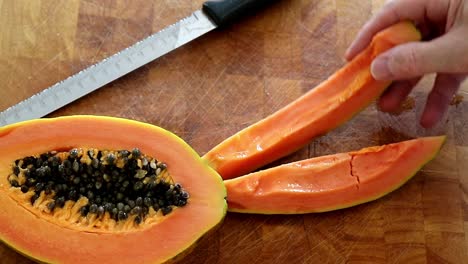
[51, 239]
[320, 110]
[331, 182]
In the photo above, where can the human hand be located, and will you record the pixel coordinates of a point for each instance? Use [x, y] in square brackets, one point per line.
[444, 50]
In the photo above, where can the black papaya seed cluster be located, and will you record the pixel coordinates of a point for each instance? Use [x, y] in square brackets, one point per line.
[121, 183]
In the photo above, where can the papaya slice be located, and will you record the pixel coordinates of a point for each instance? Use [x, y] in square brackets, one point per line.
[320, 110]
[331, 182]
[94, 189]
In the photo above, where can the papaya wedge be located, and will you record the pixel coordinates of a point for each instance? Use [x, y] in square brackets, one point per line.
[331, 182]
[323, 108]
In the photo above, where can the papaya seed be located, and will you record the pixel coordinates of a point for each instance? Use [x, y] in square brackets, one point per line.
[124, 153]
[122, 216]
[100, 210]
[120, 196]
[51, 206]
[108, 207]
[110, 158]
[76, 180]
[72, 195]
[156, 206]
[60, 201]
[138, 186]
[34, 198]
[76, 166]
[95, 163]
[93, 208]
[30, 182]
[48, 189]
[106, 177]
[139, 201]
[39, 187]
[74, 153]
[140, 174]
[84, 210]
[144, 210]
[114, 213]
[136, 153]
[16, 170]
[153, 164]
[137, 219]
[163, 166]
[14, 183]
[147, 202]
[166, 210]
[136, 210]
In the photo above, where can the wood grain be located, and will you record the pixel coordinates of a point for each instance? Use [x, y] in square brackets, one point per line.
[230, 78]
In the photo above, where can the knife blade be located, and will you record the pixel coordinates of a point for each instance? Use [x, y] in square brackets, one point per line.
[213, 14]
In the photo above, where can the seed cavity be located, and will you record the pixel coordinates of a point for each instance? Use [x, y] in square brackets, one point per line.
[98, 185]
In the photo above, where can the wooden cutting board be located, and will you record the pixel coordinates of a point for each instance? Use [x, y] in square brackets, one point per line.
[228, 79]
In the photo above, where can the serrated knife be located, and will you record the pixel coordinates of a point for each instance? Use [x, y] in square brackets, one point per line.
[212, 15]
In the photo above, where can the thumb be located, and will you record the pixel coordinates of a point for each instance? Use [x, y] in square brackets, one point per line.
[444, 54]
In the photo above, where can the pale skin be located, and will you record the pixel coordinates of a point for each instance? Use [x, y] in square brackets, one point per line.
[443, 51]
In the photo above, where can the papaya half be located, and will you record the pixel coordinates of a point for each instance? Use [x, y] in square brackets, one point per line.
[331, 182]
[331, 103]
[91, 189]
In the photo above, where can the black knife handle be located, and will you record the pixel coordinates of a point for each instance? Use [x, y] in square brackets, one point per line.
[223, 12]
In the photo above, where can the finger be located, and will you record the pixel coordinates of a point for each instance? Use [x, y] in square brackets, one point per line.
[438, 100]
[420, 12]
[444, 54]
[396, 94]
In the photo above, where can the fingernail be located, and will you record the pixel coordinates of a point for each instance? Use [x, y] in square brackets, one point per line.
[380, 70]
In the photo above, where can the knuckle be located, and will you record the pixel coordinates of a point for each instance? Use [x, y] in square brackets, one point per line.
[458, 60]
[456, 49]
[406, 62]
[412, 58]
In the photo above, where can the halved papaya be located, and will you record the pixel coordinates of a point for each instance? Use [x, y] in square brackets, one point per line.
[91, 189]
[331, 182]
[320, 110]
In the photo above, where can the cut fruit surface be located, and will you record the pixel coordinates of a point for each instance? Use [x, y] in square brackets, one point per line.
[90, 162]
[333, 181]
[320, 110]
